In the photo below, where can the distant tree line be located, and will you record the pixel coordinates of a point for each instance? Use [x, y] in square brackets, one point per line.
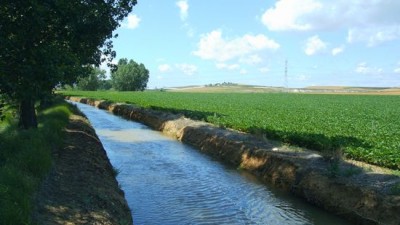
[128, 76]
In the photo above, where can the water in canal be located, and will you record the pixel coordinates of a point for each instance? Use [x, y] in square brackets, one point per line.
[167, 182]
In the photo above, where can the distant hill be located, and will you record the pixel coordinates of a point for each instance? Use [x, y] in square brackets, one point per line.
[226, 88]
[357, 90]
[241, 88]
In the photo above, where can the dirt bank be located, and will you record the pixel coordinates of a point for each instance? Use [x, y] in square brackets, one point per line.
[358, 192]
[81, 187]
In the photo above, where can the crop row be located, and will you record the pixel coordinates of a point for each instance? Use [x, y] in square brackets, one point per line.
[365, 128]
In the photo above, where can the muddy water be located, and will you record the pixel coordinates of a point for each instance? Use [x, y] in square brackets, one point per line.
[167, 182]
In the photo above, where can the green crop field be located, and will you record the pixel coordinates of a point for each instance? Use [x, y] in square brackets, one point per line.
[364, 127]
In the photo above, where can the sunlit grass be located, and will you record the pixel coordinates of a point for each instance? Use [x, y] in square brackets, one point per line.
[25, 158]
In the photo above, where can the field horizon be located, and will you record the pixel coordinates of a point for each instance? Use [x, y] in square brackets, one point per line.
[244, 88]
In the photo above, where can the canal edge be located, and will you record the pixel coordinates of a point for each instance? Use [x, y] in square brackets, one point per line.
[81, 187]
[363, 198]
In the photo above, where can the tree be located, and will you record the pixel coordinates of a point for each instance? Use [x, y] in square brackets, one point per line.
[130, 76]
[105, 85]
[93, 81]
[45, 43]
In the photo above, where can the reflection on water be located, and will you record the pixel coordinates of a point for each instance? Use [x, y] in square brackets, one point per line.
[127, 135]
[167, 182]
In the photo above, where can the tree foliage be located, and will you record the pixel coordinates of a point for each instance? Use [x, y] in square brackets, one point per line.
[49, 42]
[105, 85]
[130, 76]
[93, 81]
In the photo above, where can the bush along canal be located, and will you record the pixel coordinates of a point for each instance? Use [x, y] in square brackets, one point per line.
[167, 182]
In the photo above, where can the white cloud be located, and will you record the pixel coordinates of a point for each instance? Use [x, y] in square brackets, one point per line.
[243, 71]
[223, 66]
[374, 35]
[187, 69]
[183, 9]
[332, 14]
[183, 6]
[314, 45]
[133, 22]
[214, 47]
[287, 15]
[190, 31]
[251, 59]
[301, 78]
[397, 69]
[264, 70]
[337, 50]
[372, 22]
[364, 68]
[164, 68]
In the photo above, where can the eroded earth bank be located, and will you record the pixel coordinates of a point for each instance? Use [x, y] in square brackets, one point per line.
[363, 194]
[81, 187]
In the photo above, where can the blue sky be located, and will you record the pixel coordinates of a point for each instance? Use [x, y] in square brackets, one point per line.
[325, 42]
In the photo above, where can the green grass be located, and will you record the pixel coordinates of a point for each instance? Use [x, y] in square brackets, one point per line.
[364, 127]
[25, 158]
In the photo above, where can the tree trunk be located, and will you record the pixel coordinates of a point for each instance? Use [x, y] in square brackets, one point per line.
[27, 114]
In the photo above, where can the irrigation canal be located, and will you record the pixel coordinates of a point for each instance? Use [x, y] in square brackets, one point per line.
[167, 182]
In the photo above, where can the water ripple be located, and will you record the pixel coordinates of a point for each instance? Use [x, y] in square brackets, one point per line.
[166, 182]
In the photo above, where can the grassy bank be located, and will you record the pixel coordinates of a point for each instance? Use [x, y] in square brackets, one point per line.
[364, 128]
[25, 158]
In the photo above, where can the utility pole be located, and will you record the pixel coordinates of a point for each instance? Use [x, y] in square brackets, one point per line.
[286, 75]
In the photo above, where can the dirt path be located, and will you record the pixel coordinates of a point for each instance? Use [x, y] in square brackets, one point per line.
[81, 187]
